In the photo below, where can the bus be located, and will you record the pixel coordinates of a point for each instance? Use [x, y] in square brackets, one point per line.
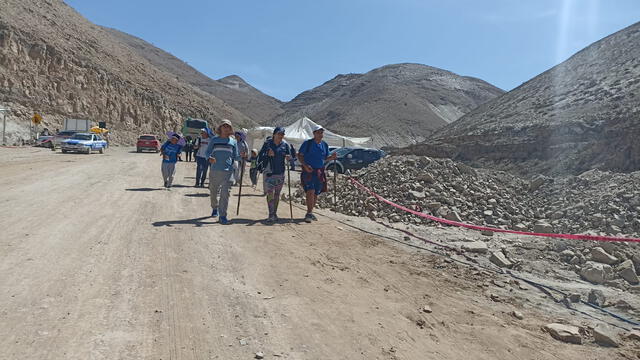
[192, 127]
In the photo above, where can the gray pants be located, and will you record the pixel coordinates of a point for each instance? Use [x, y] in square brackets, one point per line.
[220, 182]
[168, 170]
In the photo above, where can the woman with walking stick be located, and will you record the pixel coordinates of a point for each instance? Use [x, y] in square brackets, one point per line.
[274, 153]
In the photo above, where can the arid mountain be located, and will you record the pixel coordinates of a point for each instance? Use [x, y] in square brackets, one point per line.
[232, 89]
[54, 61]
[580, 115]
[395, 104]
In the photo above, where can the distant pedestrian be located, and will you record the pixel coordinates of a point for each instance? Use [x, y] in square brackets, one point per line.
[202, 162]
[292, 162]
[312, 155]
[222, 153]
[253, 168]
[169, 152]
[274, 154]
[188, 148]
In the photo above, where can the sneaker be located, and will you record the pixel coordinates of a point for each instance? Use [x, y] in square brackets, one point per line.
[165, 184]
[224, 220]
[313, 217]
[271, 219]
[214, 212]
[197, 185]
[308, 218]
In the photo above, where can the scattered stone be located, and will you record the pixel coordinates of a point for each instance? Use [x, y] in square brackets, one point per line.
[574, 297]
[259, 355]
[518, 315]
[476, 247]
[599, 255]
[427, 309]
[243, 342]
[421, 323]
[495, 298]
[596, 297]
[498, 258]
[634, 335]
[453, 216]
[486, 233]
[520, 227]
[627, 271]
[543, 228]
[566, 333]
[604, 336]
[536, 183]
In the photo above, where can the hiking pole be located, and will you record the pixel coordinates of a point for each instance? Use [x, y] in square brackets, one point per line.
[335, 182]
[240, 188]
[289, 182]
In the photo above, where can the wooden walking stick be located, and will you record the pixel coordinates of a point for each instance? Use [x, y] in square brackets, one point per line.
[335, 182]
[240, 188]
[289, 182]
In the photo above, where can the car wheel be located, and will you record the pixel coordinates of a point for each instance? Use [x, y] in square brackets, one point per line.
[64, 151]
[138, 150]
[89, 151]
[101, 150]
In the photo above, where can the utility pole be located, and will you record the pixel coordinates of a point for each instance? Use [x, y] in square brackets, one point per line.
[4, 124]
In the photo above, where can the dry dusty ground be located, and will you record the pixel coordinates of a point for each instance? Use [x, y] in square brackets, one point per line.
[97, 261]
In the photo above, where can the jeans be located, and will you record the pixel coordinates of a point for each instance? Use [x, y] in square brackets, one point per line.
[202, 165]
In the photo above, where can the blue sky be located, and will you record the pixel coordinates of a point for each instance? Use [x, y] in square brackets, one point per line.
[284, 47]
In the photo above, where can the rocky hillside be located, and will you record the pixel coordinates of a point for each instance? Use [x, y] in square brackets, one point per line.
[580, 115]
[54, 61]
[394, 104]
[232, 89]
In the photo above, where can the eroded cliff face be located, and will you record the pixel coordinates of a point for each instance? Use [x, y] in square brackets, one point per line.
[580, 115]
[72, 68]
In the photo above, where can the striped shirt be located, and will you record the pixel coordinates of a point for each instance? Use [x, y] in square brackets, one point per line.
[225, 151]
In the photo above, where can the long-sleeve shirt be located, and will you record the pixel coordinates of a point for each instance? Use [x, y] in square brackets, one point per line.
[275, 164]
[225, 151]
[171, 151]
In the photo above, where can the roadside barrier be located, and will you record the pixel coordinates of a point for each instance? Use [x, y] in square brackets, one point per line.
[359, 185]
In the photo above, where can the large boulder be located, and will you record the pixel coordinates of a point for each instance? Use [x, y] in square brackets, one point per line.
[476, 247]
[566, 333]
[595, 272]
[598, 254]
[605, 336]
[627, 271]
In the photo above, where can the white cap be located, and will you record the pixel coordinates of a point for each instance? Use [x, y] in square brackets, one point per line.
[316, 127]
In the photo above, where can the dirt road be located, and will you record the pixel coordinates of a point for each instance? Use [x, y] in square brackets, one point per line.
[97, 261]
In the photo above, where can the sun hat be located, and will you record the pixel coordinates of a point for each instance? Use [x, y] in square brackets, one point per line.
[224, 122]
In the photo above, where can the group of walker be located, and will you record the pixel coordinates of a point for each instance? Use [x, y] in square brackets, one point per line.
[224, 153]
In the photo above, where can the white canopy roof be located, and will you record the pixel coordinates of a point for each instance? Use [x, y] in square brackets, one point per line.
[300, 131]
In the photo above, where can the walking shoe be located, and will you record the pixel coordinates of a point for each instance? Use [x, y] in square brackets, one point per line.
[165, 184]
[271, 219]
[224, 220]
[197, 185]
[313, 217]
[214, 212]
[308, 218]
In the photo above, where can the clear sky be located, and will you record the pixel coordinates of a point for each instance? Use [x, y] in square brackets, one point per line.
[284, 47]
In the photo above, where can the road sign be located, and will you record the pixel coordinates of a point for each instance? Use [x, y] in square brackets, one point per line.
[37, 119]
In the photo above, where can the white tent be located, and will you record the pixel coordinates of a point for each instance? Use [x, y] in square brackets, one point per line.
[300, 131]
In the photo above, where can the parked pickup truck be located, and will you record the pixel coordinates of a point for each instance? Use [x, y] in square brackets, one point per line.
[85, 143]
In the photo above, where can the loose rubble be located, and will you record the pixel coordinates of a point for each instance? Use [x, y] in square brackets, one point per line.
[566, 333]
[594, 202]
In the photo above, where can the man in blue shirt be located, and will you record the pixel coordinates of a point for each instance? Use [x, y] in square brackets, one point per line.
[169, 152]
[222, 152]
[312, 155]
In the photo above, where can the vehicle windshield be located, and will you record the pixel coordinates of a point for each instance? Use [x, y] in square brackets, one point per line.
[342, 151]
[147, 137]
[66, 133]
[81, 137]
[196, 124]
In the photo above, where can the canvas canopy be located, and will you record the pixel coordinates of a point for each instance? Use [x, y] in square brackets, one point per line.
[300, 131]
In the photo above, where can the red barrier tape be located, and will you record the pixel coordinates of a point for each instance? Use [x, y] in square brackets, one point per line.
[476, 227]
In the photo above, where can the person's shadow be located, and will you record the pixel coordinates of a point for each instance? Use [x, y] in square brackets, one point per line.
[145, 189]
[198, 222]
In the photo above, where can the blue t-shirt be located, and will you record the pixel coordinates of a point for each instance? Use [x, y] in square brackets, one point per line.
[172, 151]
[275, 164]
[225, 151]
[314, 153]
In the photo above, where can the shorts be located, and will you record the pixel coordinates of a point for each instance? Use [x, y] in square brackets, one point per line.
[315, 180]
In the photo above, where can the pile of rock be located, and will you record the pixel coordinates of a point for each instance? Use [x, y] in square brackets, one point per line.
[594, 202]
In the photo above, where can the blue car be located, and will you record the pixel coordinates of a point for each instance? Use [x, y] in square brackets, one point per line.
[84, 143]
[354, 158]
